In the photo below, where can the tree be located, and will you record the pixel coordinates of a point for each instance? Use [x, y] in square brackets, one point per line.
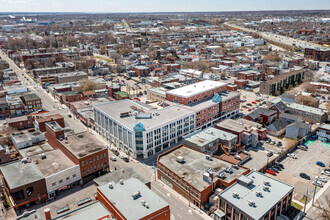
[324, 209]
[86, 85]
[5, 135]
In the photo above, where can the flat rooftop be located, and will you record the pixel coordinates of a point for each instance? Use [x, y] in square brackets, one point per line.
[35, 150]
[82, 144]
[121, 197]
[209, 135]
[55, 162]
[158, 116]
[196, 88]
[247, 187]
[120, 174]
[18, 174]
[239, 125]
[306, 108]
[195, 165]
[25, 135]
[95, 210]
[54, 126]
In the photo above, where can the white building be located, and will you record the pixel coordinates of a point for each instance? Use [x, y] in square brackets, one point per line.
[27, 138]
[139, 130]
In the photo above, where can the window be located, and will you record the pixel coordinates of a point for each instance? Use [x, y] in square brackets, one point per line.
[83, 163]
[61, 181]
[101, 156]
[98, 157]
[94, 167]
[84, 172]
[53, 184]
[67, 178]
[90, 160]
[105, 163]
[74, 175]
[104, 155]
[86, 162]
[94, 159]
[87, 170]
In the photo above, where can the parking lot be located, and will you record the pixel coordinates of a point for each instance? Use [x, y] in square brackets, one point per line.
[305, 163]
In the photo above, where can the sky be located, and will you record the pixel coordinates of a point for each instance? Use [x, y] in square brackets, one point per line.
[158, 5]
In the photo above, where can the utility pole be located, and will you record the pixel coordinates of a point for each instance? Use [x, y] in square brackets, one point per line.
[314, 195]
[306, 196]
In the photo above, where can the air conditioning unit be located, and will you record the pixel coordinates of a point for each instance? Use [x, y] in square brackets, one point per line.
[235, 195]
[252, 203]
[266, 188]
[259, 194]
[266, 183]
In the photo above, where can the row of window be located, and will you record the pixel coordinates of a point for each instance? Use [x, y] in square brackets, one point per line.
[95, 168]
[91, 160]
[61, 180]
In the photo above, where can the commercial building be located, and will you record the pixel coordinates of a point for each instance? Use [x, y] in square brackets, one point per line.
[157, 94]
[82, 148]
[196, 175]
[318, 54]
[255, 196]
[24, 183]
[211, 140]
[323, 132]
[27, 138]
[31, 101]
[40, 120]
[248, 132]
[138, 129]
[131, 199]
[261, 115]
[307, 113]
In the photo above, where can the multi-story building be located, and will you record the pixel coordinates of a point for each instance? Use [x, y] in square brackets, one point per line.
[318, 54]
[82, 148]
[194, 174]
[255, 196]
[323, 132]
[249, 75]
[31, 101]
[248, 132]
[279, 83]
[140, 130]
[27, 138]
[207, 99]
[58, 68]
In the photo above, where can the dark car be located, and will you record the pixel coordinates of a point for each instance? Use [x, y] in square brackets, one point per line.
[280, 165]
[249, 104]
[269, 154]
[277, 167]
[115, 152]
[305, 176]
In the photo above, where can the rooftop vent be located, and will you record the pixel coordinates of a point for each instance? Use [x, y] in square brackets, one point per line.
[266, 188]
[229, 170]
[266, 183]
[43, 156]
[121, 182]
[208, 157]
[259, 194]
[110, 186]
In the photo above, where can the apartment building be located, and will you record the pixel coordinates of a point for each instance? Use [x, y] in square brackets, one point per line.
[248, 132]
[317, 54]
[279, 83]
[138, 129]
[31, 101]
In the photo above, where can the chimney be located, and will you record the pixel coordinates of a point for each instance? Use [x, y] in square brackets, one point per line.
[47, 214]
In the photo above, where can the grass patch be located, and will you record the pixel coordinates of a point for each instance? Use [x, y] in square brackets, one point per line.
[296, 206]
[105, 59]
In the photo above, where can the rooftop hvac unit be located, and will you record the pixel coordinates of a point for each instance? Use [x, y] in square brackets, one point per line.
[235, 195]
[229, 170]
[221, 175]
[208, 157]
[266, 183]
[110, 186]
[252, 203]
[235, 166]
[180, 159]
[258, 193]
[136, 195]
[43, 156]
[266, 188]
[121, 182]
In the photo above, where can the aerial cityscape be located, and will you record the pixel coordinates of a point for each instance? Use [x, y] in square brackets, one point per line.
[173, 110]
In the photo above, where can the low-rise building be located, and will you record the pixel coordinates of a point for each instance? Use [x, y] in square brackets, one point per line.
[211, 140]
[307, 113]
[31, 101]
[195, 175]
[130, 199]
[323, 132]
[298, 129]
[27, 138]
[255, 196]
[262, 115]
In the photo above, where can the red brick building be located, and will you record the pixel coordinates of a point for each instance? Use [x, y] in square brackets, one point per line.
[31, 101]
[70, 96]
[82, 148]
[180, 168]
[40, 120]
[318, 54]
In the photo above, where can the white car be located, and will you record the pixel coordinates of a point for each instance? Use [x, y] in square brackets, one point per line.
[317, 183]
[321, 178]
[327, 173]
[113, 158]
[292, 156]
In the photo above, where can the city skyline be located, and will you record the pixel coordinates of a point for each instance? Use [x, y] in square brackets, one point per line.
[113, 6]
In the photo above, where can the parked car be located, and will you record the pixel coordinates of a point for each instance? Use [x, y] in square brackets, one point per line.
[305, 176]
[113, 158]
[244, 106]
[281, 165]
[320, 163]
[249, 109]
[115, 152]
[327, 169]
[279, 144]
[273, 168]
[317, 183]
[273, 142]
[254, 103]
[302, 147]
[123, 158]
[249, 104]
[327, 173]
[321, 179]
[271, 172]
[269, 154]
[292, 156]
[277, 167]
